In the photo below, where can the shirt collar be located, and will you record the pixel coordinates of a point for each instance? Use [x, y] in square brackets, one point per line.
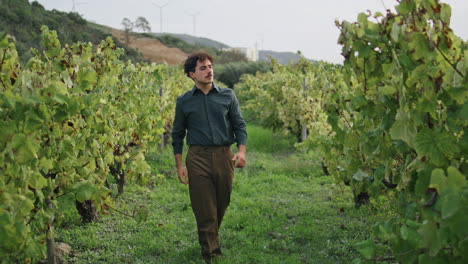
[194, 89]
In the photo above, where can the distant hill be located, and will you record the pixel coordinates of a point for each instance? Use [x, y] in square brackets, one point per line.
[23, 21]
[196, 41]
[264, 55]
[151, 48]
[282, 57]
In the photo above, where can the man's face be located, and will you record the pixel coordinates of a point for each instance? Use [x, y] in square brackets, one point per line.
[203, 72]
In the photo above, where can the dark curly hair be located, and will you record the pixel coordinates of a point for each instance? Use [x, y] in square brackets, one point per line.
[191, 62]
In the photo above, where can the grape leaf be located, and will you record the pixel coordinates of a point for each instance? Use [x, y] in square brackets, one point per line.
[435, 145]
[366, 248]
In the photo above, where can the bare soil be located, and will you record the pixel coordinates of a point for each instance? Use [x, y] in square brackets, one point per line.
[152, 49]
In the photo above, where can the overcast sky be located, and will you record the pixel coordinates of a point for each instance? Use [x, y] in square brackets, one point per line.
[292, 25]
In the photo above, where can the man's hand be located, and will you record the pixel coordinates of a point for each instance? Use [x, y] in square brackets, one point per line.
[182, 174]
[240, 157]
[181, 171]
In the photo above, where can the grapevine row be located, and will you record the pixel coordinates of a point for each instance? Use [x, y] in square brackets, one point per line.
[390, 122]
[69, 117]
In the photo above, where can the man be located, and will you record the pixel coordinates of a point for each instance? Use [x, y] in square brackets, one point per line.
[211, 119]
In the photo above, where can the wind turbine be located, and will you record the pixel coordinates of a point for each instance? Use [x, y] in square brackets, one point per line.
[161, 15]
[75, 4]
[194, 15]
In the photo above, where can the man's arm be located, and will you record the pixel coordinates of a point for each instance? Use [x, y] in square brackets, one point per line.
[239, 126]
[178, 135]
[181, 171]
[240, 131]
[178, 128]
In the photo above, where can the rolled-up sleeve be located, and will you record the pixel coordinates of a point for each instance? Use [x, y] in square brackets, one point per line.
[178, 128]
[237, 122]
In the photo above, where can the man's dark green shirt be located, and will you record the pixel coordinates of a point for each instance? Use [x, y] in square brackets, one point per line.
[210, 120]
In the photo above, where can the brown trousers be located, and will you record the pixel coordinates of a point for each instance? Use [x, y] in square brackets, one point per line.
[211, 172]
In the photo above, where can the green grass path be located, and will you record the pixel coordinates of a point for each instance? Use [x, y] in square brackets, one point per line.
[282, 211]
